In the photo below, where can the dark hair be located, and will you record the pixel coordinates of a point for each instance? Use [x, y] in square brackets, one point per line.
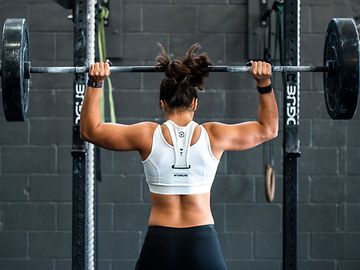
[183, 77]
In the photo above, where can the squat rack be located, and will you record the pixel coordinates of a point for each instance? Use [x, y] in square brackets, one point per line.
[291, 142]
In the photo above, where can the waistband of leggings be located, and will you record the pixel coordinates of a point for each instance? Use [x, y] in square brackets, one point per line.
[207, 230]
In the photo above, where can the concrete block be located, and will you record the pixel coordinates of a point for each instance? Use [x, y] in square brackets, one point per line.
[54, 15]
[326, 189]
[14, 188]
[41, 103]
[352, 187]
[28, 217]
[51, 81]
[230, 81]
[313, 105]
[317, 265]
[64, 159]
[329, 133]
[65, 264]
[312, 46]
[131, 217]
[350, 246]
[134, 100]
[226, 19]
[318, 161]
[13, 244]
[64, 46]
[236, 245]
[41, 43]
[237, 48]
[127, 163]
[253, 265]
[305, 19]
[16, 133]
[212, 45]
[247, 162]
[51, 131]
[268, 245]
[317, 218]
[120, 189]
[303, 245]
[333, 243]
[352, 218]
[62, 105]
[233, 188]
[132, 18]
[145, 44]
[15, 264]
[28, 159]
[211, 104]
[123, 264]
[178, 18]
[119, 245]
[349, 265]
[353, 157]
[41, 245]
[353, 134]
[241, 105]
[50, 188]
[319, 23]
[249, 217]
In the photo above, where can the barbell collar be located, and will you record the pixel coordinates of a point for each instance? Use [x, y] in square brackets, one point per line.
[125, 69]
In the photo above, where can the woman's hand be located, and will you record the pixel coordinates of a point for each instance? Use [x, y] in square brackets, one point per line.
[261, 71]
[98, 72]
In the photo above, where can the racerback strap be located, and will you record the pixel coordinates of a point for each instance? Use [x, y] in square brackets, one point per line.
[181, 137]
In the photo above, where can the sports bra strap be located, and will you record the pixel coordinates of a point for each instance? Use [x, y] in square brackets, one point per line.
[181, 138]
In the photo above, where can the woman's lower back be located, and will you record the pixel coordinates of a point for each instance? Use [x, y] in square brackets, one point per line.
[180, 211]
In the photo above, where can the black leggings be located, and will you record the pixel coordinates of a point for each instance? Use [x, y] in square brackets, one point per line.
[167, 248]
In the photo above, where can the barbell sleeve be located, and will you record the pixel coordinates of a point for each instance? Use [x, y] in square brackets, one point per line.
[125, 69]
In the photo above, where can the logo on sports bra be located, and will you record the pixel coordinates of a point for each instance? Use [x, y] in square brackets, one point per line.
[181, 134]
[181, 175]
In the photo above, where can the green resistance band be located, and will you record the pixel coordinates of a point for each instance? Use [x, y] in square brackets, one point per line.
[102, 16]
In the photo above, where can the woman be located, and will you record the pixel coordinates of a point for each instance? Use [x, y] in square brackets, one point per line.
[180, 158]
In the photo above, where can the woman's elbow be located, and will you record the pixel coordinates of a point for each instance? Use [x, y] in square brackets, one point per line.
[86, 134]
[271, 133]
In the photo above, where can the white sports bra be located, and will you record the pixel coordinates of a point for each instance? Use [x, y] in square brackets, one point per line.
[180, 168]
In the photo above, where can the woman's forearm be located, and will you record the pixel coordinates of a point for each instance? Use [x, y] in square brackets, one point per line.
[268, 110]
[90, 117]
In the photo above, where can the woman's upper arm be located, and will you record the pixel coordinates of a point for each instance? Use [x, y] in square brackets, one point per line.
[122, 137]
[236, 137]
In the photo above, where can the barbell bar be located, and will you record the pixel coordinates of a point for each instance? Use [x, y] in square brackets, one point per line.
[340, 68]
[127, 69]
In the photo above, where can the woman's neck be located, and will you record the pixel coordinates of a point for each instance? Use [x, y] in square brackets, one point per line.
[180, 118]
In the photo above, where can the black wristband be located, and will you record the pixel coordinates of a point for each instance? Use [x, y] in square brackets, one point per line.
[94, 84]
[264, 90]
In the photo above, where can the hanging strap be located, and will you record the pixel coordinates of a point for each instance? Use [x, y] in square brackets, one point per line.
[181, 138]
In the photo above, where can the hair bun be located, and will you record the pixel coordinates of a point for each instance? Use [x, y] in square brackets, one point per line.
[197, 65]
[192, 66]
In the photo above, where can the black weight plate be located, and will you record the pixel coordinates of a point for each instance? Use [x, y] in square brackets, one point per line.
[341, 84]
[15, 83]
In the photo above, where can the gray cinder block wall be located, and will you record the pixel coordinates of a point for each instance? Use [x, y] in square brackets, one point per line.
[35, 167]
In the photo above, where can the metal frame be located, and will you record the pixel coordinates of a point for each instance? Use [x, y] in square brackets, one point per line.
[291, 143]
[79, 149]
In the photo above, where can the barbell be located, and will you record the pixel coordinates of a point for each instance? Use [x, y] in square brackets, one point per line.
[340, 68]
